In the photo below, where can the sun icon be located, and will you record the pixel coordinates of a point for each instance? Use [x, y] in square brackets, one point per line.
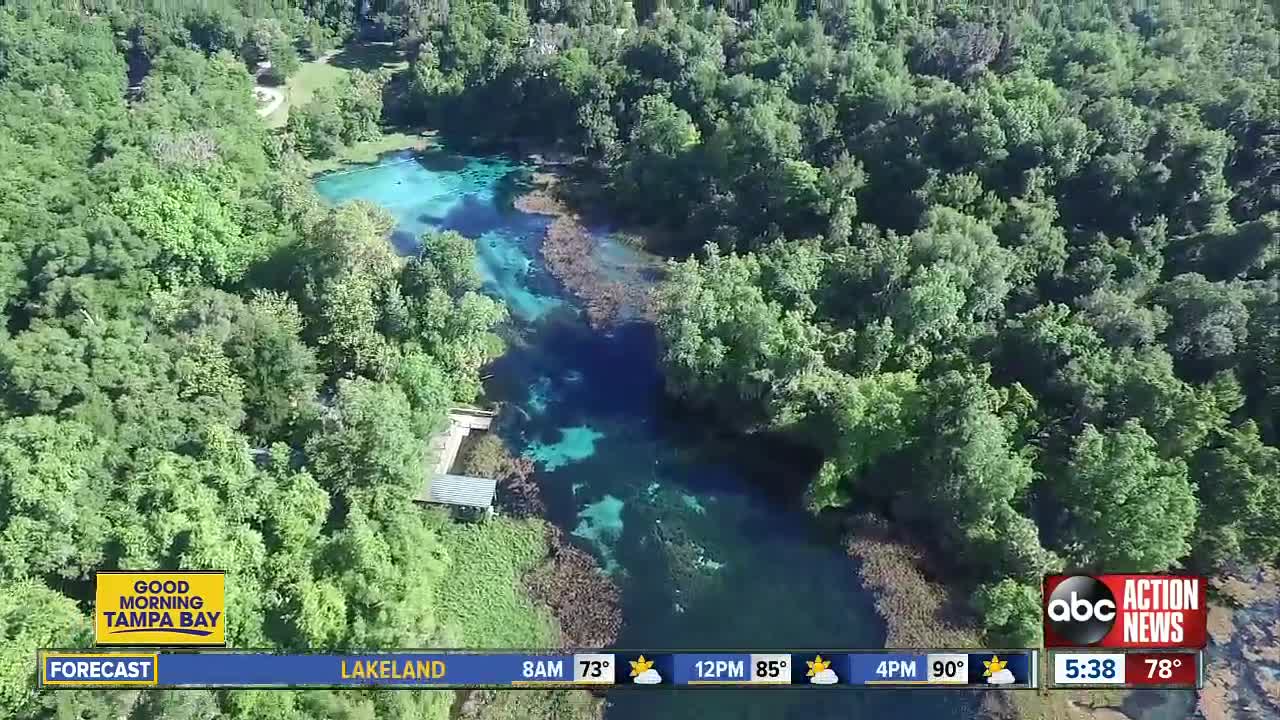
[994, 665]
[820, 672]
[640, 666]
[816, 666]
[642, 672]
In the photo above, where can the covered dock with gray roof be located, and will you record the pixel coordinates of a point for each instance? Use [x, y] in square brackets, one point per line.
[444, 488]
[462, 490]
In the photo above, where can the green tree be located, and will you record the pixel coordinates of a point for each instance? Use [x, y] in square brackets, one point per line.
[317, 127]
[1238, 483]
[260, 38]
[867, 418]
[1011, 613]
[283, 58]
[970, 472]
[350, 288]
[662, 137]
[959, 275]
[360, 105]
[53, 489]
[198, 236]
[382, 558]
[33, 617]
[1130, 509]
[1208, 321]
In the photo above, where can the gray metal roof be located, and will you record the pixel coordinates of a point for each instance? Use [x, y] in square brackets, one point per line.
[472, 418]
[460, 490]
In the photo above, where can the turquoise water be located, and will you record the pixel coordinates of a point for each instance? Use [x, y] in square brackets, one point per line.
[703, 534]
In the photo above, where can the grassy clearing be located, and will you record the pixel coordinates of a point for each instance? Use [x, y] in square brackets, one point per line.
[370, 56]
[302, 85]
[311, 77]
[368, 152]
[482, 598]
[327, 70]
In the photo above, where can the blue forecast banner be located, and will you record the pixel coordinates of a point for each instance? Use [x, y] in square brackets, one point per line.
[1010, 669]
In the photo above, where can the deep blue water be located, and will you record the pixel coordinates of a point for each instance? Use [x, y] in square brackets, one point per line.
[702, 534]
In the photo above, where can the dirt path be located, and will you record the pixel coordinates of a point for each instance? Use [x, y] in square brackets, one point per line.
[272, 96]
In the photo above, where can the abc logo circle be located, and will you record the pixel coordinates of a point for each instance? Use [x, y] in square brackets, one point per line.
[1081, 610]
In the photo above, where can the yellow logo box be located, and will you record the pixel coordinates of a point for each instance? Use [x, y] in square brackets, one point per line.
[161, 608]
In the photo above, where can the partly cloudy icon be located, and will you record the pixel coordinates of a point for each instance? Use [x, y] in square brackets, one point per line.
[643, 672]
[820, 672]
[996, 673]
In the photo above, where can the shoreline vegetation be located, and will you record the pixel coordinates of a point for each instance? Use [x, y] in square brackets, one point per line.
[567, 575]
[920, 611]
[568, 582]
[1243, 660]
[369, 152]
[570, 252]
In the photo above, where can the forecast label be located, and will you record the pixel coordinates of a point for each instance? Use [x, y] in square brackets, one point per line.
[635, 670]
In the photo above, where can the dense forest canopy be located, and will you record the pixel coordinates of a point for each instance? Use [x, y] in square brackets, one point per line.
[202, 366]
[1012, 269]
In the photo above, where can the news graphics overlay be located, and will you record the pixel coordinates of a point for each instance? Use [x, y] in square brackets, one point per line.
[97, 669]
[970, 669]
[1125, 611]
[646, 669]
[1131, 669]
[160, 608]
[458, 669]
[594, 669]
[247, 669]
[819, 672]
[732, 669]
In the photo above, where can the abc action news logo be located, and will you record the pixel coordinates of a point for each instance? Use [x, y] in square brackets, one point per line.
[1125, 611]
